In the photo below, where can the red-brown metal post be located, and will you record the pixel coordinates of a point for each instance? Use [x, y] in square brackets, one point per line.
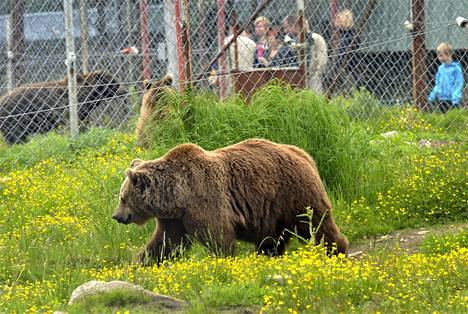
[236, 48]
[187, 44]
[145, 39]
[180, 46]
[334, 31]
[419, 55]
[302, 39]
[222, 59]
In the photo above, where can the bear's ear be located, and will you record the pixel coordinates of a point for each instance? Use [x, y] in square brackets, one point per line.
[81, 78]
[146, 85]
[167, 79]
[137, 178]
[136, 162]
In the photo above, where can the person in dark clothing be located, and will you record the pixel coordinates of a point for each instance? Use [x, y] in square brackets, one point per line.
[346, 71]
[279, 55]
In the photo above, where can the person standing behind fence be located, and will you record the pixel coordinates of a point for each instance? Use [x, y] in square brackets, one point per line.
[448, 90]
[262, 24]
[317, 56]
[279, 55]
[346, 72]
[245, 50]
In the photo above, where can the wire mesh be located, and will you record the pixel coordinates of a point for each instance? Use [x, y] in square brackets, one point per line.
[331, 47]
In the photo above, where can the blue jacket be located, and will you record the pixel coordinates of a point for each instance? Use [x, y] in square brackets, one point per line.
[449, 83]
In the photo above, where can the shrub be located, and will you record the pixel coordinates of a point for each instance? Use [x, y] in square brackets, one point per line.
[277, 113]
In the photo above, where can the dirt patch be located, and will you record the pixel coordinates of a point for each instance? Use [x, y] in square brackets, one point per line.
[408, 240]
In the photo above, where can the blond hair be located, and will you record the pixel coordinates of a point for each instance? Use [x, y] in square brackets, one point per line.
[262, 19]
[345, 18]
[444, 48]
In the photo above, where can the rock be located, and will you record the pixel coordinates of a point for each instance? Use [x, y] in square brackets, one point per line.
[95, 287]
[424, 143]
[389, 134]
[422, 232]
[280, 279]
[435, 143]
[356, 254]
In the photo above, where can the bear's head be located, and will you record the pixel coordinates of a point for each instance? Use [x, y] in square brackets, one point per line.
[158, 188]
[155, 91]
[96, 86]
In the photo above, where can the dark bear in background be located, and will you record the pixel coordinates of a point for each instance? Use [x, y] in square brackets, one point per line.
[255, 191]
[41, 107]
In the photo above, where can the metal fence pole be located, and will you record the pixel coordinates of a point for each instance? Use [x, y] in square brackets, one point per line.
[302, 39]
[187, 45]
[170, 40]
[84, 35]
[9, 66]
[145, 39]
[17, 39]
[180, 48]
[222, 59]
[71, 67]
[419, 54]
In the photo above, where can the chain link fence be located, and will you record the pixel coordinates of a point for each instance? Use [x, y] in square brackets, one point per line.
[387, 48]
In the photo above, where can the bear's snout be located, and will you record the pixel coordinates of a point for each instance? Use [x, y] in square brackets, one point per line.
[122, 218]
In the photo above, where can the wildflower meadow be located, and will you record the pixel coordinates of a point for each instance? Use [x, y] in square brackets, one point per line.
[57, 196]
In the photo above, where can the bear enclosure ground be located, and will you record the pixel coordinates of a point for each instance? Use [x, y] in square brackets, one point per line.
[57, 197]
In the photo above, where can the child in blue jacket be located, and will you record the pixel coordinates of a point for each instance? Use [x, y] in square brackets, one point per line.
[448, 90]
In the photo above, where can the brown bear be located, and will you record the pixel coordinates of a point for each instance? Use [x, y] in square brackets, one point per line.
[154, 106]
[41, 107]
[256, 191]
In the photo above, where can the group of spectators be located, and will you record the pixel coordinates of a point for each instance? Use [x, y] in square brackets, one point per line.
[279, 45]
[273, 45]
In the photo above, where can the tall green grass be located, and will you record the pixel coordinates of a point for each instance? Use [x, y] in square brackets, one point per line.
[277, 113]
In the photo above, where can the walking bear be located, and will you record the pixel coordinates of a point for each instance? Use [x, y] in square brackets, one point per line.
[41, 107]
[253, 191]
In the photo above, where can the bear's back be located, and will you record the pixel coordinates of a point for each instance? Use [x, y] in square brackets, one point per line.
[269, 181]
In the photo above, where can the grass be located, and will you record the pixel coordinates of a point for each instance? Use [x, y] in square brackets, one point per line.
[56, 201]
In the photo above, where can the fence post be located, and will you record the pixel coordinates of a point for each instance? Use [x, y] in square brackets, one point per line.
[302, 39]
[17, 41]
[9, 66]
[187, 45]
[222, 60]
[71, 67]
[84, 35]
[419, 54]
[170, 39]
[180, 48]
[145, 39]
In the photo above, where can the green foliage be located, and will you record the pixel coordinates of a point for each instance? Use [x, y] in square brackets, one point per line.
[445, 244]
[57, 197]
[276, 113]
[56, 146]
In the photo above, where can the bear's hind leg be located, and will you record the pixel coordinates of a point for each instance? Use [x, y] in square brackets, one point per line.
[169, 237]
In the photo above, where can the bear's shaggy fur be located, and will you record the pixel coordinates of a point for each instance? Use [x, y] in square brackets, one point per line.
[255, 191]
[153, 106]
[41, 107]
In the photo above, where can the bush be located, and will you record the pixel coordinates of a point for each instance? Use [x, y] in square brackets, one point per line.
[276, 113]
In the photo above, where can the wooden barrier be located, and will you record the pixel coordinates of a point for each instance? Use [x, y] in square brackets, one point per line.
[248, 82]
